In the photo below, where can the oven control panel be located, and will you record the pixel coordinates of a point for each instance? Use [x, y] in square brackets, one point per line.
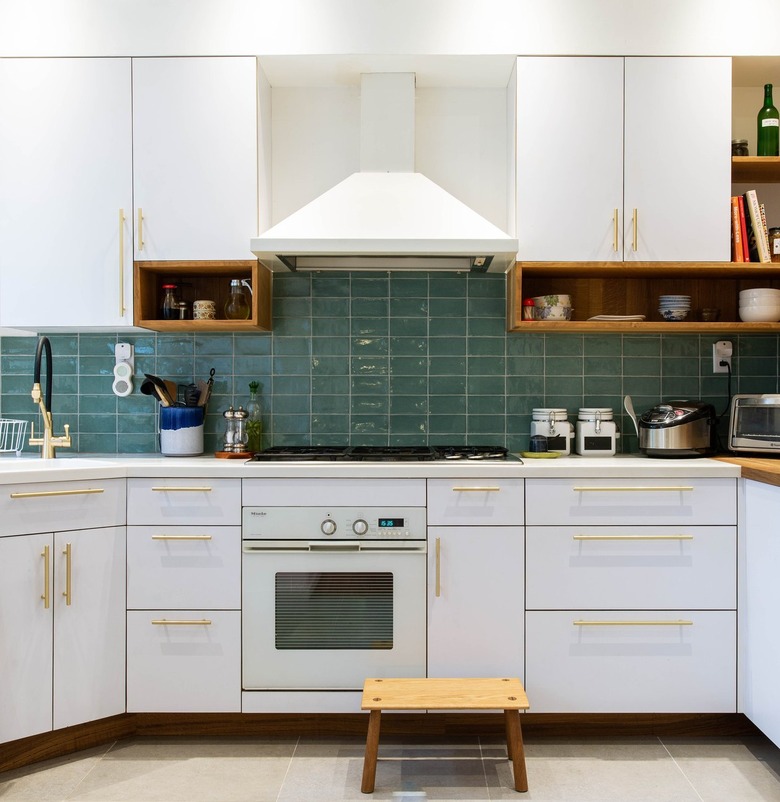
[334, 523]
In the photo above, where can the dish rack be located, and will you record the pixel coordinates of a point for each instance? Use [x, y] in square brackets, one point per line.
[12, 435]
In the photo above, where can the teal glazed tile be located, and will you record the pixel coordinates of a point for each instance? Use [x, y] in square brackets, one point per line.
[603, 400]
[136, 443]
[485, 385]
[63, 344]
[753, 345]
[445, 327]
[448, 366]
[17, 406]
[487, 327]
[564, 345]
[330, 366]
[363, 347]
[409, 307]
[487, 307]
[137, 424]
[291, 346]
[330, 286]
[563, 365]
[289, 285]
[370, 366]
[252, 344]
[448, 424]
[251, 367]
[571, 403]
[97, 404]
[173, 345]
[680, 387]
[408, 385]
[562, 385]
[447, 346]
[97, 345]
[291, 307]
[447, 404]
[409, 346]
[21, 364]
[96, 424]
[447, 308]
[374, 308]
[757, 384]
[755, 366]
[18, 345]
[486, 425]
[647, 386]
[292, 385]
[525, 344]
[406, 285]
[330, 424]
[447, 286]
[486, 286]
[486, 405]
[603, 385]
[641, 345]
[66, 385]
[213, 345]
[291, 365]
[329, 384]
[369, 404]
[330, 346]
[602, 366]
[369, 327]
[521, 406]
[329, 404]
[447, 385]
[649, 365]
[367, 286]
[680, 346]
[408, 405]
[679, 367]
[408, 326]
[13, 384]
[97, 443]
[409, 424]
[369, 424]
[289, 423]
[95, 366]
[369, 385]
[292, 327]
[485, 346]
[523, 385]
[329, 327]
[330, 307]
[486, 366]
[143, 344]
[602, 345]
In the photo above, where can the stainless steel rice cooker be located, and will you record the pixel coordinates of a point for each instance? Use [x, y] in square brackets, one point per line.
[678, 429]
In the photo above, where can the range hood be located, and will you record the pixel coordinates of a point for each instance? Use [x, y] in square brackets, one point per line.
[386, 217]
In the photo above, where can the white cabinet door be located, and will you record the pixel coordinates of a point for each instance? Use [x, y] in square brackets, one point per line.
[195, 157]
[760, 601]
[65, 177]
[89, 625]
[25, 636]
[677, 159]
[475, 601]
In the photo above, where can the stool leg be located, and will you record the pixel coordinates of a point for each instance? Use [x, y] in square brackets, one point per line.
[514, 746]
[372, 748]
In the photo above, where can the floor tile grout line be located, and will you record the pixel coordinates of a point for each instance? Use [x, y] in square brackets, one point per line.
[289, 766]
[680, 769]
[102, 757]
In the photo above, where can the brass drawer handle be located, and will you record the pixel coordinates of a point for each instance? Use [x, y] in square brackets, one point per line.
[42, 493]
[181, 489]
[632, 537]
[68, 592]
[638, 488]
[181, 537]
[46, 578]
[174, 622]
[679, 623]
[121, 263]
[476, 489]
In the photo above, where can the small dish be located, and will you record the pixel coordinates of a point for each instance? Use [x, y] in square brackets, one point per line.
[540, 454]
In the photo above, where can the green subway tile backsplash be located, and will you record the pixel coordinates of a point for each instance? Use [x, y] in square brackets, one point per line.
[407, 358]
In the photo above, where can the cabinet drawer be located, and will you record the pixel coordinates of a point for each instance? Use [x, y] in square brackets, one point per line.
[649, 664]
[184, 567]
[475, 502]
[191, 664]
[631, 501]
[631, 567]
[49, 506]
[332, 492]
[184, 501]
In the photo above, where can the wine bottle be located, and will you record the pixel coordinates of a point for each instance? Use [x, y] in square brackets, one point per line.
[768, 126]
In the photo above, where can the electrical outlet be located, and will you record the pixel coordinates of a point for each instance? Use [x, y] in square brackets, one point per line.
[124, 353]
[721, 356]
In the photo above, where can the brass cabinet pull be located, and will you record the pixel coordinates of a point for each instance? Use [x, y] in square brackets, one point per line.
[42, 493]
[475, 489]
[174, 622]
[121, 263]
[68, 592]
[438, 567]
[632, 537]
[615, 231]
[181, 489]
[639, 488]
[181, 537]
[140, 229]
[46, 578]
[635, 226]
[637, 623]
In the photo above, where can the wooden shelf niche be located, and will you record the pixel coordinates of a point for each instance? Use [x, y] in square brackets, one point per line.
[633, 289]
[196, 281]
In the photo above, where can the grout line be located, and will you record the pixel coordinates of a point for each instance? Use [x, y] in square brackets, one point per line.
[287, 770]
[680, 769]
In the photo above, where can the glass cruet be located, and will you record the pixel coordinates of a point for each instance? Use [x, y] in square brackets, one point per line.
[254, 423]
[237, 305]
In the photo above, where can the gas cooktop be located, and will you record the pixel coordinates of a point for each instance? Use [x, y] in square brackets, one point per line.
[380, 453]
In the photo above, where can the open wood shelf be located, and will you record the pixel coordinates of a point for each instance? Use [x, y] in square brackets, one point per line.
[755, 169]
[623, 288]
[201, 280]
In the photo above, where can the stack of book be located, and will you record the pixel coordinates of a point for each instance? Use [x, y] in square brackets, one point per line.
[749, 236]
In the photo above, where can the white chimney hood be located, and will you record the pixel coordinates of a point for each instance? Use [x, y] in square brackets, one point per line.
[386, 217]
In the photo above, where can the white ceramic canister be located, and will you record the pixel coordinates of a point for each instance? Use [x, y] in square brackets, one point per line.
[554, 424]
[597, 432]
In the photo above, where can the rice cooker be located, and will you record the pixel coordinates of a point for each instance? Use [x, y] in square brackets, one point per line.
[678, 429]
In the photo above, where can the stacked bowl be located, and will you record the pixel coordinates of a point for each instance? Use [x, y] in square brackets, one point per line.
[552, 307]
[759, 306]
[674, 307]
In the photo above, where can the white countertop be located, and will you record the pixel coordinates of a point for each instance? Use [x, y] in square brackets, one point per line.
[15, 470]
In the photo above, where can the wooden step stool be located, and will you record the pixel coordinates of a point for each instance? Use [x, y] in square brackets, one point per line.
[445, 694]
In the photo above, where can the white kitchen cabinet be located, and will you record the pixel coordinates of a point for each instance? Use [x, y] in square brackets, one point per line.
[195, 162]
[605, 142]
[65, 193]
[759, 603]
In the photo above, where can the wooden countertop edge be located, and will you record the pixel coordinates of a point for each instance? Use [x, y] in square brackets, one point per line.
[761, 470]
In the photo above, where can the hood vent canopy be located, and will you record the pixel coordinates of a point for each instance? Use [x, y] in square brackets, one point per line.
[386, 217]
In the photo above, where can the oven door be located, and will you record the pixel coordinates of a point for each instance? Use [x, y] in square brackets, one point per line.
[326, 615]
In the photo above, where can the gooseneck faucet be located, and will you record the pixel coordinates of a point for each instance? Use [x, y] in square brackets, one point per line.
[48, 442]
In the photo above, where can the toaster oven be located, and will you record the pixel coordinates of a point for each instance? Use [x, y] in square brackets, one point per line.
[754, 424]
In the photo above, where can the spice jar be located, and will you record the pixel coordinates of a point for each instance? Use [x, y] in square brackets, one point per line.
[739, 147]
[170, 303]
[529, 309]
[774, 243]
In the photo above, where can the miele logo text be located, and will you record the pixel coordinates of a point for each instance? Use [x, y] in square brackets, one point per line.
[257, 513]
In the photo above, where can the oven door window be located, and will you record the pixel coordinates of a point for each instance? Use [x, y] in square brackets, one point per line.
[334, 610]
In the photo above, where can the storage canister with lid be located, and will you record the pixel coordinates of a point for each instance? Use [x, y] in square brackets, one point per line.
[553, 423]
[597, 432]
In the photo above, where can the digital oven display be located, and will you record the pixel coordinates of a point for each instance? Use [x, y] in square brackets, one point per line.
[388, 523]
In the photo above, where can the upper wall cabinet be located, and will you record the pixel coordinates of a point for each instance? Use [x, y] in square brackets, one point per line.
[195, 141]
[623, 159]
[65, 193]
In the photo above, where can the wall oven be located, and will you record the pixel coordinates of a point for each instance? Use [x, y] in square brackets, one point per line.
[332, 595]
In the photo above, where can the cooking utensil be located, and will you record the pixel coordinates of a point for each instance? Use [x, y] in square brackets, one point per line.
[678, 429]
[629, 406]
[205, 393]
[162, 390]
[148, 387]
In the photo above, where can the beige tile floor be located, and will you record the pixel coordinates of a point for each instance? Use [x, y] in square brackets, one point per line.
[627, 769]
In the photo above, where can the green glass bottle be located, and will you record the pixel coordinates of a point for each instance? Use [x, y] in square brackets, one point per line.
[254, 423]
[768, 126]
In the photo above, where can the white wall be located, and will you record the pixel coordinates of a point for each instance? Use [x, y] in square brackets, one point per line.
[253, 27]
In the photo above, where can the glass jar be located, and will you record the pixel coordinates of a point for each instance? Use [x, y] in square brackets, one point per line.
[739, 147]
[254, 423]
[170, 303]
[237, 305]
[774, 243]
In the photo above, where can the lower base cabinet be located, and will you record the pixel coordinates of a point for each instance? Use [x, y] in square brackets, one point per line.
[669, 661]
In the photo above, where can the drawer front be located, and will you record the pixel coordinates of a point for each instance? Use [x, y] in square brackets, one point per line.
[184, 567]
[647, 502]
[631, 567]
[51, 506]
[633, 667]
[475, 502]
[312, 492]
[196, 502]
[190, 665]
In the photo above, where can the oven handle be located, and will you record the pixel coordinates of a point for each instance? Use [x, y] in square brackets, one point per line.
[334, 547]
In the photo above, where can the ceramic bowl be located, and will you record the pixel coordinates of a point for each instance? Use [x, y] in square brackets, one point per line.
[541, 301]
[673, 315]
[760, 301]
[754, 314]
[558, 312]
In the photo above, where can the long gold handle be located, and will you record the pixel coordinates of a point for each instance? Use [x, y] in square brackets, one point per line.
[632, 537]
[174, 622]
[121, 263]
[41, 493]
[615, 231]
[181, 537]
[475, 489]
[635, 223]
[140, 229]
[678, 623]
[46, 578]
[638, 488]
[68, 592]
[181, 489]
[438, 567]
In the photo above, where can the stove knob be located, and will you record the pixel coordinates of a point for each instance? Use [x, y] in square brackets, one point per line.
[328, 526]
[360, 527]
